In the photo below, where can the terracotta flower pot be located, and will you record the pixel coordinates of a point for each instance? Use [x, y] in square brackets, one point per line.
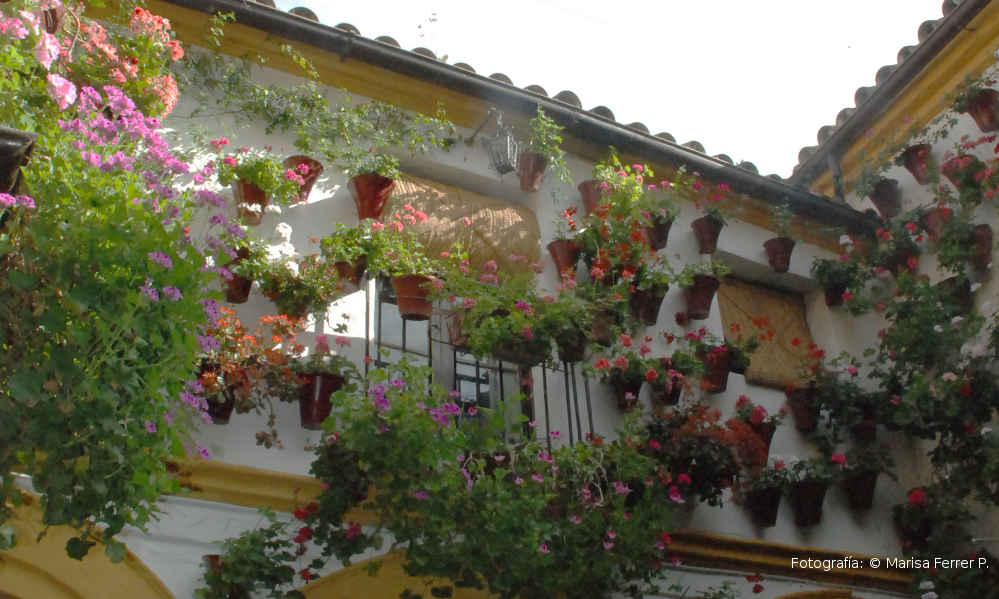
[531, 167]
[716, 369]
[658, 233]
[899, 261]
[934, 220]
[237, 289]
[765, 431]
[916, 161]
[221, 411]
[527, 353]
[700, 295]
[565, 253]
[411, 293]
[961, 170]
[763, 505]
[15, 150]
[371, 192]
[887, 198]
[859, 489]
[834, 295]
[249, 194]
[645, 303]
[351, 273]
[314, 403]
[984, 108]
[779, 252]
[571, 345]
[591, 194]
[315, 169]
[981, 254]
[959, 289]
[664, 395]
[806, 501]
[706, 229]
[801, 400]
[626, 391]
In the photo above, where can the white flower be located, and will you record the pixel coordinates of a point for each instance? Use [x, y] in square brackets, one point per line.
[956, 320]
[845, 240]
[975, 287]
[938, 328]
[273, 209]
[930, 595]
[926, 585]
[284, 231]
[986, 430]
[292, 266]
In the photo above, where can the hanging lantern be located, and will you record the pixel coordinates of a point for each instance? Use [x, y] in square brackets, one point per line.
[502, 149]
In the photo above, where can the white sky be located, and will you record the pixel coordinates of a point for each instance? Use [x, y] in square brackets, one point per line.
[754, 79]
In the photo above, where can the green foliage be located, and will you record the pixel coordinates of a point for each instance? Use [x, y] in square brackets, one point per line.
[263, 170]
[300, 287]
[714, 268]
[545, 138]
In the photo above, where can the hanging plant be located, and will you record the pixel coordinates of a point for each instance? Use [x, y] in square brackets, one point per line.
[543, 148]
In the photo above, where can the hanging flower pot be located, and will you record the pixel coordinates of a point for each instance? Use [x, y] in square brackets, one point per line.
[859, 488]
[571, 345]
[602, 329]
[904, 258]
[314, 398]
[315, 168]
[565, 253]
[626, 390]
[666, 394]
[959, 290]
[411, 293]
[961, 170]
[765, 431]
[981, 253]
[763, 505]
[525, 352]
[801, 400]
[716, 369]
[834, 295]
[221, 411]
[887, 198]
[933, 221]
[531, 167]
[351, 273]
[237, 289]
[592, 194]
[371, 192]
[916, 160]
[15, 150]
[248, 194]
[984, 108]
[779, 252]
[706, 230]
[806, 501]
[645, 303]
[700, 295]
[658, 233]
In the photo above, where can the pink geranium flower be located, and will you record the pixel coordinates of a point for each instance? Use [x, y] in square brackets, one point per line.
[61, 90]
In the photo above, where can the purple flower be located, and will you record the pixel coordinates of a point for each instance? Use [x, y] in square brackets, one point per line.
[543, 548]
[621, 488]
[454, 394]
[556, 434]
[161, 259]
[575, 519]
[451, 408]
[420, 494]
[150, 292]
[439, 417]
[538, 478]
[398, 383]
[382, 404]
[208, 343]
[608, 544]
[377, 390]
[472, 410]
[172, 293]
[211, 308]
[168, 416]
[7, 200]
[150, 427]
[545, 457]
[204, 452]
[518, 481]
[188, 398]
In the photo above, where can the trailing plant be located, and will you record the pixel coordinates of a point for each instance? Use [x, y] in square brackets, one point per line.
[298, 287]
[545, 138]
[261, 169]
[714, 268]
[782, 217]
[818, 469]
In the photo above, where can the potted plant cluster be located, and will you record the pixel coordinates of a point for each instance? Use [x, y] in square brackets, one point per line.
[756, 416]
[649, 285]
[542, 149]
[700, 281]
[323, 373]
[349, 249]
[977, 99]
[779, 248]
[836, 276]
[860, 476]
[624, 369]
[564, 249]
[403, 258]
[257, 177]
[250, 258]
[708, 227]
[761, 492]
[300, 287]
[809, 481]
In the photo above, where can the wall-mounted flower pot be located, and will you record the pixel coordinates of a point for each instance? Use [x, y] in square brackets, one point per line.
[521, 351]
[763, 505]
[221, 411]
[859, 488]
[531, 167]
[565, 253]
[602, 328]
[658, 232]
[899, 261]
[801, 401]
[961, 170]
[237, 289]
[15, 150]
[315, 169]
[314, 398]
[571, 345]
[914, 536]
[706, 230]
[592, 194]
[779, 252]
[887, 198]
[645, 303]
[916, 160]
[411, 293]
[834, 295]
[806, 501]
[700, 295]
[716, 369]
[248, 194]
[981, 253]
[371, 192]
[765, 431]
[666, 395]
[351, 273]
[959, 289]
[626, 391]
[933, 221]
[984, 108]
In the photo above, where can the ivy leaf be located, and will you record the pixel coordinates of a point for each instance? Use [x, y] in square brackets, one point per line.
[77, 548]
[115, 551]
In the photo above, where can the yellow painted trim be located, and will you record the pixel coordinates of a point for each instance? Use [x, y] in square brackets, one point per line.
[257, 487]
[969, 53]
[390, 581]
[41, 568]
